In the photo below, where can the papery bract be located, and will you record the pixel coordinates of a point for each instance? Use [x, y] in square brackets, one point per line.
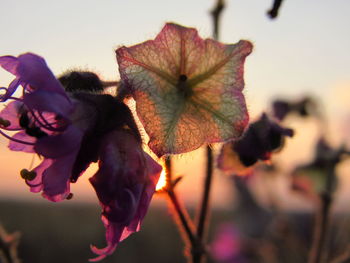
[188, 91]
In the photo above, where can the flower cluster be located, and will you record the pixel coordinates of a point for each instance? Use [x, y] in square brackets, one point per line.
[72, 130]
[188, 93]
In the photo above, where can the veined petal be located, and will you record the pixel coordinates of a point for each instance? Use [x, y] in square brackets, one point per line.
[43, 100]
[33, 70]
[9, 63]
[188, 91]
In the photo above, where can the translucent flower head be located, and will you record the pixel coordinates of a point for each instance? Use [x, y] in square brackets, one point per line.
[188, 91]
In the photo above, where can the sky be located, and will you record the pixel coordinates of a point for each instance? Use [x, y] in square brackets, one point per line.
[304, 51]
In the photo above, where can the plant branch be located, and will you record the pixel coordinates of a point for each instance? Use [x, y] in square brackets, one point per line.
[183, 221]
[318, 251]
[216, 14]
[203, 220]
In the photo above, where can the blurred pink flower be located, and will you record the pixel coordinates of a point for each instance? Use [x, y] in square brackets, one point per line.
[188, 91]
[226, 246]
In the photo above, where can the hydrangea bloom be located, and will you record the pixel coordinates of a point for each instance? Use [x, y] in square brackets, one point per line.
[72, 130]
[258, 142]
[188, 91]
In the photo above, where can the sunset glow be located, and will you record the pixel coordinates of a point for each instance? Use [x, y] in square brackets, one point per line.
[162, 180]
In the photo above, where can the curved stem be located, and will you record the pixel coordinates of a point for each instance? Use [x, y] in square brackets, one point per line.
[183, 220]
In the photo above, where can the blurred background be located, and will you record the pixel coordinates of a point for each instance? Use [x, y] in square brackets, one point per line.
[302, 52]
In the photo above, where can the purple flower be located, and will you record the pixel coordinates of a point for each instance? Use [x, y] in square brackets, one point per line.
[71, 131]
[258, 142]
[124, 183]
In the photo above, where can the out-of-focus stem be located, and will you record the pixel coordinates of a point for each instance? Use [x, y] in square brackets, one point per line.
[318, 253]
[203, 219]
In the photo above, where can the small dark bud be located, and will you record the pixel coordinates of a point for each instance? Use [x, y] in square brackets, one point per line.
[261, 138]
[81, 81]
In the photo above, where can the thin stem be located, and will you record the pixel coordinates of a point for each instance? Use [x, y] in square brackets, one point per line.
[203, 219]
[318, 251]
[184, 222]
[216, 14]
[183, 217]
[198, 253]
[273, 12]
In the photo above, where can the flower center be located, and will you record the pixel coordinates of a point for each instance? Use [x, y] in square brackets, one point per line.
[183, 87]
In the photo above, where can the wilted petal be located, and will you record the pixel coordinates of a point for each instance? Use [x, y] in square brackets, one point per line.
[188, 91]
[124, 183]
[258, 142]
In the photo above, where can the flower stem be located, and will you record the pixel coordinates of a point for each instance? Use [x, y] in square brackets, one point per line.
[203, 219]
[183, 221]
[318, 251]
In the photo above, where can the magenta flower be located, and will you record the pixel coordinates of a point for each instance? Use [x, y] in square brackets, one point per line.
[226, 246]
[188, 91]
[72, 130]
